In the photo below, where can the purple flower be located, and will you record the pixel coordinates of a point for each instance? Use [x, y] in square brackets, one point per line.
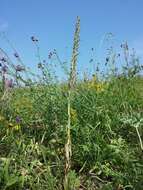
[18, 119]
[9, 83]
[16, 55]
[91, 60]
[39, 65]
[19, 68]
[50, 55]
[107, 59]
[4, 68]
[3, 59]
[34, 39]
[125, 46]
[54, 52]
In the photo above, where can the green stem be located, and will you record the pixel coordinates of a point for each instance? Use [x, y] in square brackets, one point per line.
[140, 140]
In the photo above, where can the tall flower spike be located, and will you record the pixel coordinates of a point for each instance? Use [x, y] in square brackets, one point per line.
[75, 54]
[72, 81]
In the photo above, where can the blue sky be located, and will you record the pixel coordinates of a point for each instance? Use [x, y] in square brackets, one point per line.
[52, 22]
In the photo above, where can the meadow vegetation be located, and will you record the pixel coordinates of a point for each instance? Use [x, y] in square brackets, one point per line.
[80, 134]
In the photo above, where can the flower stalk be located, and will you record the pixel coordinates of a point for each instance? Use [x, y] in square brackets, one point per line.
[71, 86]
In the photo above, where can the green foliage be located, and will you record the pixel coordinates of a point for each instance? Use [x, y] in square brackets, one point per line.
[106, 129]
[73, 181]
[105, 145]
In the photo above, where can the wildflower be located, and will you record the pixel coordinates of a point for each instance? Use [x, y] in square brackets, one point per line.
[54, 52]
[125, 46]
[4, 69]
[39, 65]
[16, 55]
[19, 68]
[3, 59]
[17, 127]
[91, 60]
[34, 39]
[99, 87]
[97, 69]
[107, 59]
[50, 55]
[94, 84]
[9, 83]
[18, 119]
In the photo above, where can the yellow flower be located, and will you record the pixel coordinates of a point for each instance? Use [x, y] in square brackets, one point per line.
[14, 127]
[17, 127]
[99, 87]
[94, 84]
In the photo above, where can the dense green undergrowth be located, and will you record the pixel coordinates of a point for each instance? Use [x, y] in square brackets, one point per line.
[106, 151]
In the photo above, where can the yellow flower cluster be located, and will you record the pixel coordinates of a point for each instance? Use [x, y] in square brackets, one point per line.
[96, 85]
[16, 127]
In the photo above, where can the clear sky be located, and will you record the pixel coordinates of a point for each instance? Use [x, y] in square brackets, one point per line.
[52, 22]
